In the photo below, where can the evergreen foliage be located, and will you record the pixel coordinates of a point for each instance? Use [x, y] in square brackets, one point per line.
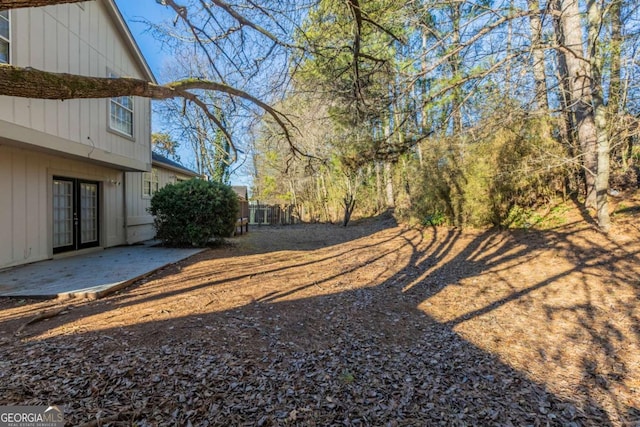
[194, 212]
[493, 181]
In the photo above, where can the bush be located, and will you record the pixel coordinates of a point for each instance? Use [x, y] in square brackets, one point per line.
[194, 212]
[435, 219]
[494, 178]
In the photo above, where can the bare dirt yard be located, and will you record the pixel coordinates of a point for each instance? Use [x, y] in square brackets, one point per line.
[373, 324]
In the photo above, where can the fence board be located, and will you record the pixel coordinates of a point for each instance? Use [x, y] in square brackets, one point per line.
[262, 214]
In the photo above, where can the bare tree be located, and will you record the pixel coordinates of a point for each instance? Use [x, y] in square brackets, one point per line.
[28, 82]
[163, 144]
[579, 76]
[537, 54]
[401, 72]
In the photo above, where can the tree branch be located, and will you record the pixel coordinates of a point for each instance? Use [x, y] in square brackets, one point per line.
[18, 4]
[354, 6]
[33, 83]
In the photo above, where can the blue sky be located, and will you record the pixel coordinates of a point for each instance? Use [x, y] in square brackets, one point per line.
[135, 11]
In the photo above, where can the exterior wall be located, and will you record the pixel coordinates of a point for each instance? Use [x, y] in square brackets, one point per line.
[81, 40]
[139, 221]
[26, 179]
[40, 139]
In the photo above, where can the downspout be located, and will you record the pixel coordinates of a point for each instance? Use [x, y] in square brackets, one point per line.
[124, 207]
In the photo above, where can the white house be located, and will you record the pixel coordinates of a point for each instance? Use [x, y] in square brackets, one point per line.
[65, 166]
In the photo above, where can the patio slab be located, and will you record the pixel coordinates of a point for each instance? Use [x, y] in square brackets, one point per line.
[91, 275]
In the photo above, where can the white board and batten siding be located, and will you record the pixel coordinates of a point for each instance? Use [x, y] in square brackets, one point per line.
[70, 39]
[40, 139]
[26, 216]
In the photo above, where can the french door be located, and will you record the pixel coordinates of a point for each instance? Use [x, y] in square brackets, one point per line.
[76, 218]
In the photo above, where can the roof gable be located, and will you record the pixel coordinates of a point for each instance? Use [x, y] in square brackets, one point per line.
[128, 39]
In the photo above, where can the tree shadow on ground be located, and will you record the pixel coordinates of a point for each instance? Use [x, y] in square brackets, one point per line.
[306, 237]
[413, 327]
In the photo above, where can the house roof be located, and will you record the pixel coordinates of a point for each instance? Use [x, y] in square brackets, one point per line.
[159, 160]
[241, 191]
[123, 28]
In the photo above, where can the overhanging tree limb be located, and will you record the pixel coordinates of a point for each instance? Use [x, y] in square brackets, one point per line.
[33, 83]
[17, 4]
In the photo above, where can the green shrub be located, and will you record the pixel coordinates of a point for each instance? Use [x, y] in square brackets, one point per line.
[495, 178]
[435, 219]
[194, 212]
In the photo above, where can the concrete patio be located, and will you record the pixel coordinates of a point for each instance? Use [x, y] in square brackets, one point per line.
[91, 275]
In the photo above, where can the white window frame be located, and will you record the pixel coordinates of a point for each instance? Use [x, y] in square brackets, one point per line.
[119, 106]
[7, 40]
[150, 183]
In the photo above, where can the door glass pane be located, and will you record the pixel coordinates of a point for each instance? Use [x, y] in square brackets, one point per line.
[88, 212]
[4, 52]
[62, 213]
[5, 37]
[4, 25]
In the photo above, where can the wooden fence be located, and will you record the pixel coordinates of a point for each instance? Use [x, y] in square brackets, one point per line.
[243, 209]
[261, 214]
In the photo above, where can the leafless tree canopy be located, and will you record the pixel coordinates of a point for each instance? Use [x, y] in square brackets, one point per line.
[396, 76]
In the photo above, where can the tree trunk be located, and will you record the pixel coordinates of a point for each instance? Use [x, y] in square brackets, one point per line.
[324, 197]
[17, 4]
[406, 183]
[424, 122]
[580, 75]
[615, 86]
[537, 54]
[349, 204]
[594, 15]
[622, 144]
[567, 124]
[379, 196]
[456, 64]
[602, 178]
[507, 67]
[388, 177]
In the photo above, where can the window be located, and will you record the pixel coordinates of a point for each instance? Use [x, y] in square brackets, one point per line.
[5, 37]
[150, 183]
[121, 113]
